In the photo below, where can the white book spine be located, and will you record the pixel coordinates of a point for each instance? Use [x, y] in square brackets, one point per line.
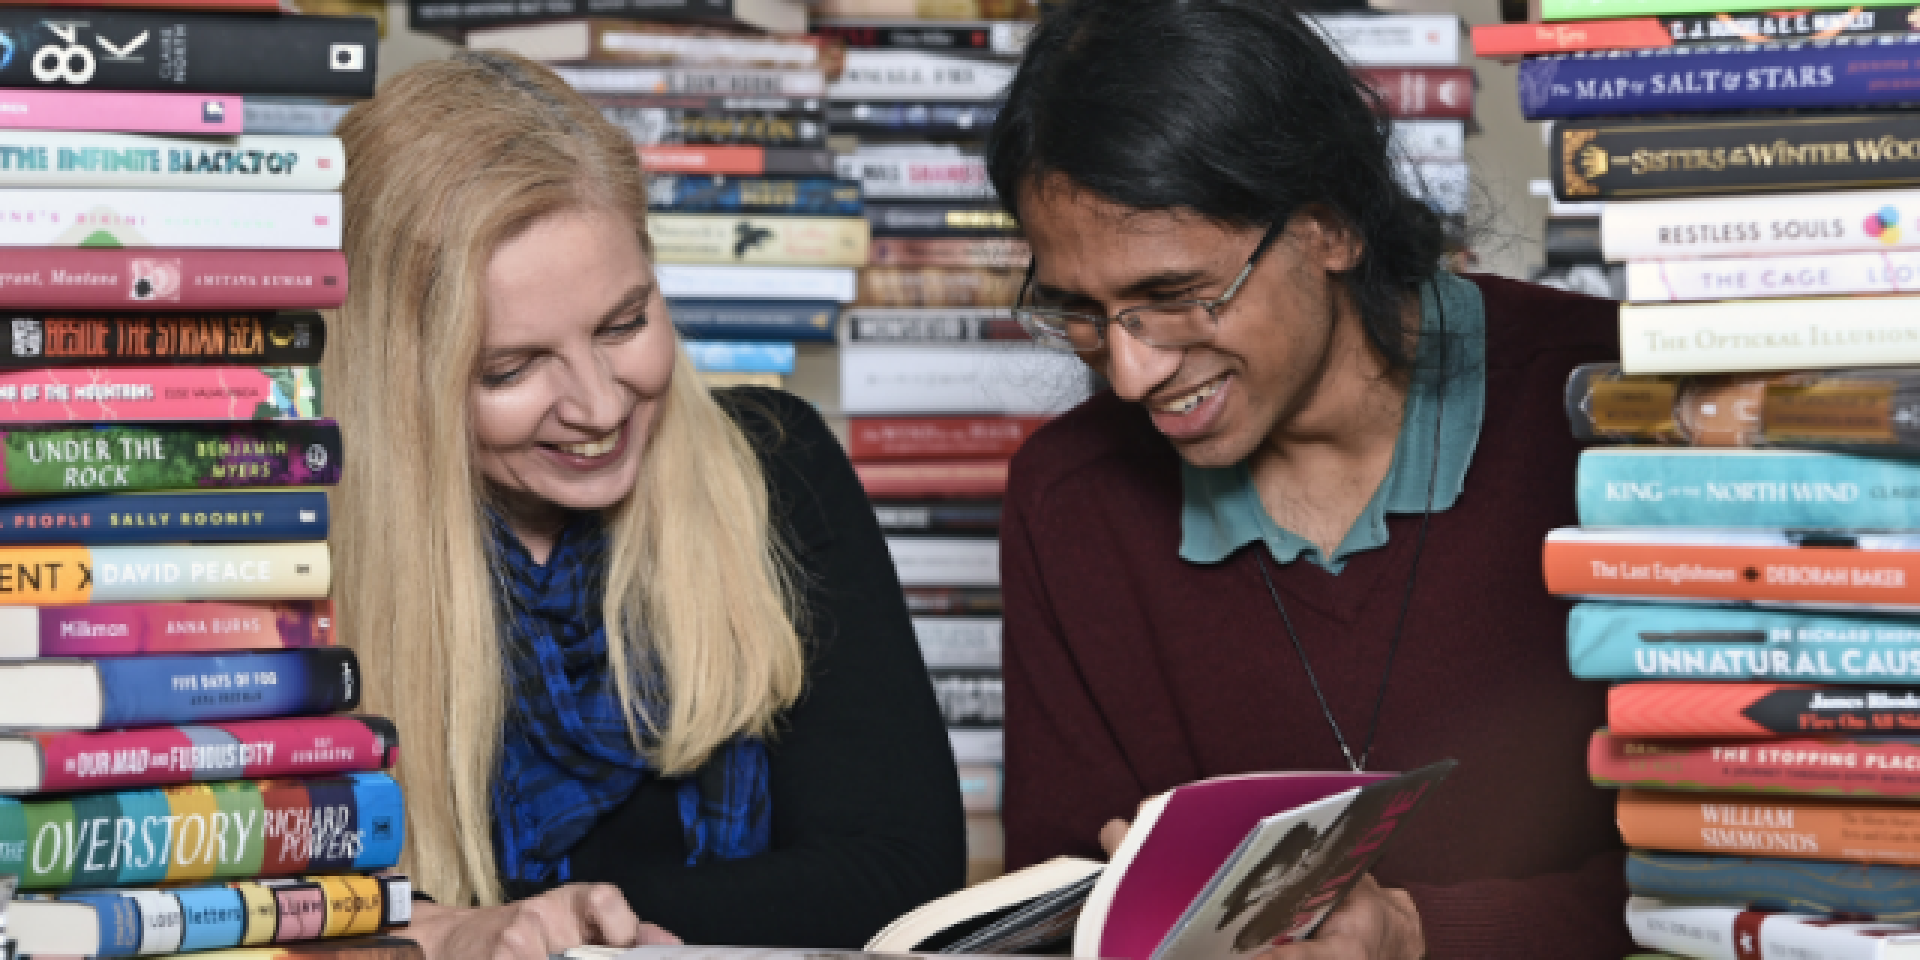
[1739, 278]
[307, 119]
[170, 218]
[163, 923]
[1730, 933]
[683, 281]
[1779, 225]
[882, 379]
[958, 641]
[1430, 139]
[1758, 335]
[886, 177]
[916, 324]
[705, 83]
[977, 746]
[1394, 39]
[945, 561]
[40, 158]
[912, 75]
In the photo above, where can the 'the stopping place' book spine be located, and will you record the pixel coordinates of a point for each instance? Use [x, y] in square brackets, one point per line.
[59, 49]
[1682, 487]
[1671, 641]
[1661, 157]
[1804, 767]
[1812, 886]
[1757, 335]
[75, 278]
[130, 457]
[192, 626]
[170, 218]
[1843, 72]
[97, 110]
[121, 161]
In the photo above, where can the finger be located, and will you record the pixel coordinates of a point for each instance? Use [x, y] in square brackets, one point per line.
[606, 916]
[651, 935]
[1112, 834]
[554, 917]
[523, 938]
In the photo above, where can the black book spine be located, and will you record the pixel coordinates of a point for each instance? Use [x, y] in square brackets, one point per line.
[1001, 38]
[51, 339]
[93, 49]
[759, 127]
[928, 118]
[1602, 158]
[937, 219]
[1573, 240]
[442, 15]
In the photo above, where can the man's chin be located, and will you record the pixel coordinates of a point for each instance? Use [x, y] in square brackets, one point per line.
[1212, 451]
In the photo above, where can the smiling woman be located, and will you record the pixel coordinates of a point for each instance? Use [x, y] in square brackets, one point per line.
[631, 632]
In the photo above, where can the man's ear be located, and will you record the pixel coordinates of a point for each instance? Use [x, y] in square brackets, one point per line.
[1328, 239]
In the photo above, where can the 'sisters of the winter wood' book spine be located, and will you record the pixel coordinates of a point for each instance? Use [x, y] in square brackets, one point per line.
[76, 278]
[236, 750]
[107, 110]
[1734, 710]
[131, 339]
[128, 457]
[1693, 156]
[1793, 766]
[1872, 831]
[193, 626]
[189, 52]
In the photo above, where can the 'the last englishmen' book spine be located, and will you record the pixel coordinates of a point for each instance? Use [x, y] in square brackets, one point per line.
[1829, 73]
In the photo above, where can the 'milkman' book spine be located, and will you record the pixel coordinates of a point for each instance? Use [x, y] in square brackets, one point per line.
[1830, 73]
[60, 49]
[1663, 157]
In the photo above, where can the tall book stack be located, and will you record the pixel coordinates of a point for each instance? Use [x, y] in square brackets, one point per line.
[174, 772]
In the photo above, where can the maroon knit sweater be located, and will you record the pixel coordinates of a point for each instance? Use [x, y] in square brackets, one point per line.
[1130, 671]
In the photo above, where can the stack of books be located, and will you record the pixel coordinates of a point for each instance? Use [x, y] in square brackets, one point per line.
[171, 778]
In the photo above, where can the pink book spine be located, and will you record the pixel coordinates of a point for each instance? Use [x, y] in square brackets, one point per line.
[118, 112]
[158, 393]
[167, 279]
[1889, 768]
[302, 747]
[109, 629]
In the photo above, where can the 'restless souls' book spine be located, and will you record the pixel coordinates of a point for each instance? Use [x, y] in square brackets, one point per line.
[77, 278]
[62, 49]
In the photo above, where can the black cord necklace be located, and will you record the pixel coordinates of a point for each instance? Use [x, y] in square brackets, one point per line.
[1406, 599]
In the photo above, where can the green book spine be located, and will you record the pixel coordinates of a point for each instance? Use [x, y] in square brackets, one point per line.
[125, 457]
[1594, 9]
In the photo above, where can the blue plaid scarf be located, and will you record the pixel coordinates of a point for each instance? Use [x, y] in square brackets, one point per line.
[566, 759]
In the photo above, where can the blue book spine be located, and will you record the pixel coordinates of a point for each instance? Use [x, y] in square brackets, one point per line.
[118, 919]
[166, 518]
[1842, 72]
[1650, 486]
[215, 917]
[1649, 641]
[740, 356]
[381, 818]
[1802, 886]
[792, 320]
[815, 196]
[195, 688]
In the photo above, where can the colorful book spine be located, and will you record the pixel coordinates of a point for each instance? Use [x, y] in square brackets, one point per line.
[352, 948]
[1004, 38]
[1873, 410]
[694, 81]
[1669, 641]
[1802, 886]
[1743, 278]
[237, 829]
[930, 118]
[1803, 767]
[941, 219]
[933, 325]
[933, 177]
[1854, 221]
[1870, 571]
[241, 913]
[1750, 335]
[1843, 72]
[133, 457]
[205, 219]
[135, 518]
[195, 626]
[40, 158]
[1801, 828]
[1422, 92]
[1801, 489]
[71, 278]
[159, 689]
[943, 478]
[794, 320]
[1640, 157]
[55, 575]
[1590, 9]
[1734, 710]
[799, 241]
[817, 196]
[937, 287]
[246, 749]
[951, 601]
[1000, 252]
[734, 356]
[290, 56]
[40, 340]
[736, 159]
[205, 114]
[1514, 40]
[1737, 933]
[159, 393]
[930, 438]
[755, 127]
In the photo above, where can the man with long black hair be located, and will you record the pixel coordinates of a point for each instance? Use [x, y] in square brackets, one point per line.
[1302, 530]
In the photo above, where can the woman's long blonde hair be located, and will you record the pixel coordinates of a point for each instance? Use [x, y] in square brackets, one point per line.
[453, 158]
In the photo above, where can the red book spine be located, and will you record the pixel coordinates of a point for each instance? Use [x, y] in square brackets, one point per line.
[294, 747]
[1511, 40]
[1731, 710]
[1423, 92]
[939, 438]
[1828, 576]
[960, 478]
[162, 279]
[745, 159]
[1888, 768]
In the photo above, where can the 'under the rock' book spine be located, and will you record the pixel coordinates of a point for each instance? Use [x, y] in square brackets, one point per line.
[184, 455]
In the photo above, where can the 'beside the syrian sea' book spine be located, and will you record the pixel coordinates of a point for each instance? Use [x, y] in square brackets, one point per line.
[128, 457]
[132, 339]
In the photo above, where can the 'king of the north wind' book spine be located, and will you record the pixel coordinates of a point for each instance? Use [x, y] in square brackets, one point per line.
[1660, 641]
[125, 457]
[235, 829]
[1843, 72]
[1640, 487]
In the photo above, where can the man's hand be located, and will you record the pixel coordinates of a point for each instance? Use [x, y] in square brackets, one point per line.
[560, 919]
[1372, 923]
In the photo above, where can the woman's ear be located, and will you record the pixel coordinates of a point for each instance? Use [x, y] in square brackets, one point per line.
[1327, 238]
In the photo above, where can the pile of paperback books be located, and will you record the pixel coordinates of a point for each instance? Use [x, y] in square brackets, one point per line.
[170, 777]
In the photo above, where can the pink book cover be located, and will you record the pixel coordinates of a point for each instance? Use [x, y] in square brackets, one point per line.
[118, 112]
[248, 749]
[77, 278]
[1231, 865]
[110, 629]
[159, 393]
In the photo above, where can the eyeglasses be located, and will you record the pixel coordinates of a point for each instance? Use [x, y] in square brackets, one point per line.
[1169, 323]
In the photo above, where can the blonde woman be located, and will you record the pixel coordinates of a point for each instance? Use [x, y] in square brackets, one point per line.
[643, 643]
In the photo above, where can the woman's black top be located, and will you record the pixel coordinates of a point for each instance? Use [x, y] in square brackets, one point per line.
[867, 822]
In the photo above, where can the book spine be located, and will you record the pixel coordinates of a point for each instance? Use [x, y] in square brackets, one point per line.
[916, 177]
[946, 561]
[937, 287]
[1796, 828]
[194, 688]
[724, 82]
[1416, 39]
[170, 218]
[200, 832]
[959, 642]
[249, 749]
[933, 325]
[924, 117]
[294, 119]
[911, 75]
[941, 220]
[929, 438]
[166, 518]
[1844, 72]
[1754, 573]
[980, 787]
[726, 356]
[1512, 40]
[812, 106]
[708, 238]
[953, 601]
[68, 278]
[765, 128]
[1793, 766]
[1755, 335]
[1635, 486]
[997, 252]
[936, 479]
[1619, 641]
[163, 921]
[58, 575]
[88, 110]
[1742, 278]
[1829, 408]
[1003, 38]
[795, 320]
[38, 341]
[680, 281]
[1731, 710]
[820, 196]
[159, 393]
[931, 9]
[1736, 933]
[431, 15]
[1651, 157]
[937, 517]
[1573, 240]
[1430, 140]
[1808, 886]
[740, 159]
[114, 50]
[38, 158]
[1591, 9]
[133, 457]
[970, 698]
[118, 629]
[983, 379]
[1424, 92]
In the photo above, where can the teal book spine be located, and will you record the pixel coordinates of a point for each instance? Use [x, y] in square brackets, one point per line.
[1774, 489]
[1652, 641]
[1885, 891]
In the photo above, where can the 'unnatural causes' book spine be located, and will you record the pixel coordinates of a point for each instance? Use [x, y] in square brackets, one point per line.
[129, 457]
[76, 278]
[1671, 641]
[189, 53]
[1843, 72]
[193, 626]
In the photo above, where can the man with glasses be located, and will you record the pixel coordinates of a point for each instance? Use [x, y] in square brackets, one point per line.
[1303, 529]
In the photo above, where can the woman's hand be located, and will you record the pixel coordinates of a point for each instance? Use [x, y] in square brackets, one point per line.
[532, 929]
[1372, 923]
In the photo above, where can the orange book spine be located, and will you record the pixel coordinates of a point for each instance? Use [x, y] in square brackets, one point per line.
[1792, 827]
[1763, 574]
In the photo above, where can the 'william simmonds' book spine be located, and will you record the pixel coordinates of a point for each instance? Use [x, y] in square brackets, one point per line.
[1661, 157]
[1797, 489]
[799, 320]
[77, 278]
[129, 457]
[1880, 890]
[1720, 710]
[170, 218]
[1874, 831]
[128, 518]
[714, 238]
[90, 110]
[1748, 335]
[36, 158]
[50, 575]
[1867, 768]
[39, 340]
[193, 626]
[816, 196]
[237, 829]
[1673, 641]
[1843, 72]
[56, 49]
[159, 393]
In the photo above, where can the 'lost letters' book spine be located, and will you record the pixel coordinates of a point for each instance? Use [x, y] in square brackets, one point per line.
[122, 161]
[61, 49]
[130, 518]
[195, 626]
[40, 340]
[170, 218]
[1729, 710]
[1844, 72]
[1672, 641]
[244, 912]
[112, 111]
[1661, 157]
[129, 457]
[1795, 766]
[74, 278]
[1801, 885]
[1680, 487]
[234, 750]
